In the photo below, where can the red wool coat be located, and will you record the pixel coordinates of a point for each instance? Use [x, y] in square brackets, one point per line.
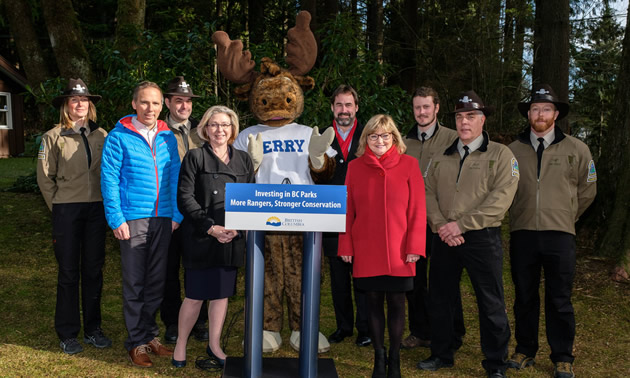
[386, 214]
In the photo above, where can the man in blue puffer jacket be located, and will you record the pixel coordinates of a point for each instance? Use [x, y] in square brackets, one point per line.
[139, 173]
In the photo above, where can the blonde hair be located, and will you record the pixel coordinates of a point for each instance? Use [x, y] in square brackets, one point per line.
[218, 109]
[385, 123]
[64, 116]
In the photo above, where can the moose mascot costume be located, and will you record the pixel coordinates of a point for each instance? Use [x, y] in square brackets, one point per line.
[283, 152]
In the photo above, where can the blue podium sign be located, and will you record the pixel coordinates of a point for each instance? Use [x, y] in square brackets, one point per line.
[277, 207]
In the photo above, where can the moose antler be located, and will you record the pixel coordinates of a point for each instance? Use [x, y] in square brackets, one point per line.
[238, 67]
[235, 64]
[301, 46]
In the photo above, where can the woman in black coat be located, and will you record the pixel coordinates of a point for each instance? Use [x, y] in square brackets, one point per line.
[211, 253]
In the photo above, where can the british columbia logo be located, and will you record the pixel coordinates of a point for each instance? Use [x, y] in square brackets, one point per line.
[273, 221]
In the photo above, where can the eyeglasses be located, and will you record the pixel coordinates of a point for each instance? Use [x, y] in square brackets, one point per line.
[222, 125]
[385, 136]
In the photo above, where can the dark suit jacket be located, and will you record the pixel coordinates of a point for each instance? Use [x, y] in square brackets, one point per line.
[330, 239]
[201, 199]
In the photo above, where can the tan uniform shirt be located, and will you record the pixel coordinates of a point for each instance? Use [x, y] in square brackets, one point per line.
[567, 184]
[481, 195]
[63, 175]
[193, 139]
[441, 139]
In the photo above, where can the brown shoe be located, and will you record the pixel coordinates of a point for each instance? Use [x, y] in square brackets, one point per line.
[158, 349]
[413, 342]
[520, 361]
[139, 356]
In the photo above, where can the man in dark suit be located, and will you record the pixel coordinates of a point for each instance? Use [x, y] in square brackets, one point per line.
[344, 104]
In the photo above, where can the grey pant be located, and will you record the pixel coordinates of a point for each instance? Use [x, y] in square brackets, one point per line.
[143, 261]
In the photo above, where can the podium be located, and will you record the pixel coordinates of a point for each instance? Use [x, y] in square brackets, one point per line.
[239, 215]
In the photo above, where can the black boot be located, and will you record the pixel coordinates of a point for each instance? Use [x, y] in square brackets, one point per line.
[380, 362]
[393, 368]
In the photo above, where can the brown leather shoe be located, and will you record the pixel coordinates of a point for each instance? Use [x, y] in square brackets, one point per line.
[139, 356]
[413, 342]
[158, 349]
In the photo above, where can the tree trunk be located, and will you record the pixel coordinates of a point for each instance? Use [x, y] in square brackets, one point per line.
[406, 59]
[130, 17]
[354, 11]
[256, 21]
[331, 8]
[326, 12]
[18, 13]
[512, 63]
[551, 48]
[614, 183]
[311, 7]
[375, 28]
[66, 39]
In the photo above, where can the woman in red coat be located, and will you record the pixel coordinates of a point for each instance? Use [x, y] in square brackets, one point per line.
[385, 232]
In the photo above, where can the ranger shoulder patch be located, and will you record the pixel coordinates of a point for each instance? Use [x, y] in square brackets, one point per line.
[515, 171]
[41, 154]
[592, 173]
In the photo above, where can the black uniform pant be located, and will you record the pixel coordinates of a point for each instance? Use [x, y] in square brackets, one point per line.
[342, 288]
[482, 256]
[418, 302]
[79, 243]
[554, 253]
[172, 301]
[143, 263]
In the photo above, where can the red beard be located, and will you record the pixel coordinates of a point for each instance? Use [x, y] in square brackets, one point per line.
[540, 125]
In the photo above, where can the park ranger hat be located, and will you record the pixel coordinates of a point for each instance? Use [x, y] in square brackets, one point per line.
[469, 101]
[179, 87]
[544, 93]
[75, 87]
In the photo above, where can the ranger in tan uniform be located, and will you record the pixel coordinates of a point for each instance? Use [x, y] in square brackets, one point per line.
[69, 177]
[425, 141]
[178, 99]
[558, 183]
[63, 175]
[469, 189]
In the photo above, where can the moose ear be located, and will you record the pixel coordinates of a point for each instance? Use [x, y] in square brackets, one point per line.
[242, 91]
[306, 82]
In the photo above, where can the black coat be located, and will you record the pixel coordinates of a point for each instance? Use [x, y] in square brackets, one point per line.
[329, 240]
[201, 199]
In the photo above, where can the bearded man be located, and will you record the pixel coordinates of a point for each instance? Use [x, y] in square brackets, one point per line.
[425, 141]
[344, 104]
[557, 184]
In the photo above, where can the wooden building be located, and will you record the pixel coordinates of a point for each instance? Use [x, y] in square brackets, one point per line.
[12, 84]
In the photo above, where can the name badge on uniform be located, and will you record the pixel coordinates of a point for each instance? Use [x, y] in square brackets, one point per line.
[592, 174]
[515, 171]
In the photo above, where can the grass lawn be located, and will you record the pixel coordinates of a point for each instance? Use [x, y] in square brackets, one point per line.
[29, 345]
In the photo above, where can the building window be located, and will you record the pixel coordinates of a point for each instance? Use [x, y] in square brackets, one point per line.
[6, 119]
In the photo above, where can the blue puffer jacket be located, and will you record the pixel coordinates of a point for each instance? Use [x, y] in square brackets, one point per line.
[136, 181]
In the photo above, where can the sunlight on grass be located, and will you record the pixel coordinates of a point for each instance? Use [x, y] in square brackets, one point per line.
[29, 346]
[11, 169]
